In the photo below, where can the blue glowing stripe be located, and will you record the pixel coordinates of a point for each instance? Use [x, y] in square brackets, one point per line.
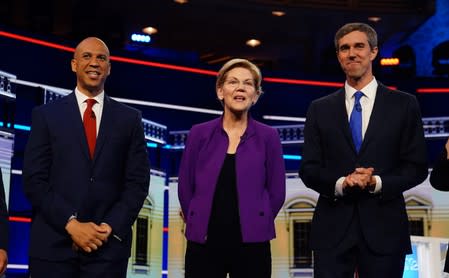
[17, 126]
[292, 157]
[22, 127]
[151, 145]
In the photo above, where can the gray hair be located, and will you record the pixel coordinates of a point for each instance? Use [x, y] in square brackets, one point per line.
[239, 63]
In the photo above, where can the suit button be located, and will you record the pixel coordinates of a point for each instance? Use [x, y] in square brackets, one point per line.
[92, 179]
[261, 213]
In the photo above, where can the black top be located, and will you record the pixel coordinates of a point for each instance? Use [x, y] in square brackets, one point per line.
[439, 178]
[224, 223]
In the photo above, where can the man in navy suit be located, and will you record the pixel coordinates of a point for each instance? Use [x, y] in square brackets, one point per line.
[85, 197]
[364, 146]
[3, 229]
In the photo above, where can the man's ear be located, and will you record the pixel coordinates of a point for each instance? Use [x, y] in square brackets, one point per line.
[73, 65]
[373, 53]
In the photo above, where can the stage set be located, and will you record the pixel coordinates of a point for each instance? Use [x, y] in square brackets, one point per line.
[172, 98]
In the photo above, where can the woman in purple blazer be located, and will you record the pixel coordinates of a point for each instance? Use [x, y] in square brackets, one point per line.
[231, 183]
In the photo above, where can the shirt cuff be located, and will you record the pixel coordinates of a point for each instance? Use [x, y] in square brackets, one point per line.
[117, 237]
[73, 216]
[339, 187]
[378, 187]
[114, 235]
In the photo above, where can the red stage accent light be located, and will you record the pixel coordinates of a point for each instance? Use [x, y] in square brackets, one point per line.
[176, 67]
[303, 82]
[36, 41]
[432, 90]
[20, 219]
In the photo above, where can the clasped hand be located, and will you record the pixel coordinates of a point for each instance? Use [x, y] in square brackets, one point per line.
[361, 178]
[88, 236]
[3, 261]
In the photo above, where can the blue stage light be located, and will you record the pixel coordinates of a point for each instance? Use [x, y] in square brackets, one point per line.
[141, 38]
[292, 157]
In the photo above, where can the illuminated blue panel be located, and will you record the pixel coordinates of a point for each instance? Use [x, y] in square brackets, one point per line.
[151, 145]
[411, 267]
[22, 127]
[19, 233]
[292, 157]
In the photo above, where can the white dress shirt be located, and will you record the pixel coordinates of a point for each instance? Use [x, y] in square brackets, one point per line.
[98, 110]
[97, 107]
[367, 103]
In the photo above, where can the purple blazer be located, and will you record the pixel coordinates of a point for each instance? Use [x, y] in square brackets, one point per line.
[260, 172]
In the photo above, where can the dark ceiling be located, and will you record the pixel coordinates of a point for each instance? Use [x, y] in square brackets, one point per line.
[216, 30]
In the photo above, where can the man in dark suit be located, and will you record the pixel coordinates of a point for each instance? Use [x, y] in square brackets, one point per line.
[364, 146]
[85, 189]
[3, 229]
[439, 179]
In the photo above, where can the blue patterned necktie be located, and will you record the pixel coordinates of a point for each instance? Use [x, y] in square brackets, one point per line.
[355, 122]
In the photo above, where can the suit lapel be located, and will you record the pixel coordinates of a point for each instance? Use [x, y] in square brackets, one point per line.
[106, 125]
[377, 118]
[75, 121]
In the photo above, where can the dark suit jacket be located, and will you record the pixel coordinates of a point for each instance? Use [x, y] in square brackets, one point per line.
[439, 179]
[60, 179]
[393, 144]
[3, 218]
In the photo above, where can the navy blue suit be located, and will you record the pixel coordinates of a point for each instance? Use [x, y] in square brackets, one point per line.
[60, 178]
[393, 145]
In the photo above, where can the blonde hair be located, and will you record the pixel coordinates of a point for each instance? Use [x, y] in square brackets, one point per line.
[239, 63]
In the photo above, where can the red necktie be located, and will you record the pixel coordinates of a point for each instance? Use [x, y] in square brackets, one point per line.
[90, 125]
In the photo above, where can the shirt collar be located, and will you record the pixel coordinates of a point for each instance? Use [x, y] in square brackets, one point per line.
[369, 90]
[80, 97]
